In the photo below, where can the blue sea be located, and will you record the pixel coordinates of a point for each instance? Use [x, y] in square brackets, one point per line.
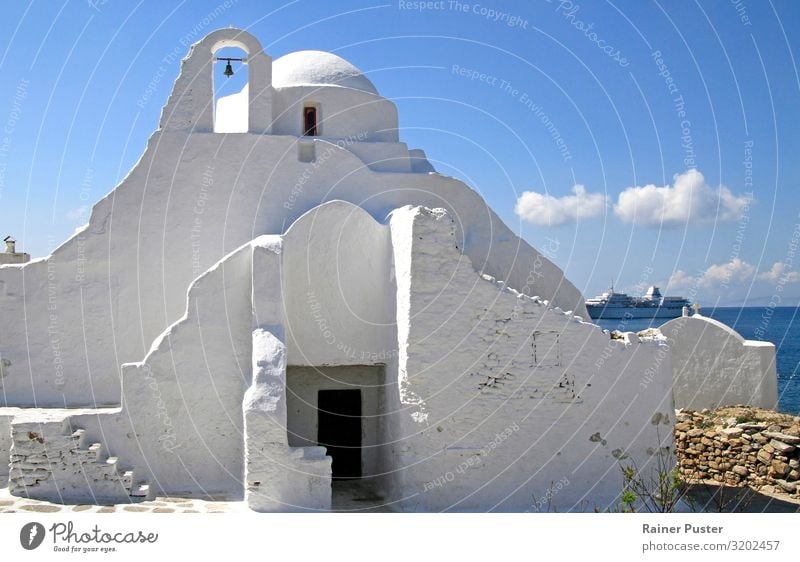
[780, 326]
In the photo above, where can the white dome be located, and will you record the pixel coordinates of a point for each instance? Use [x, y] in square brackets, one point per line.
[318, 68]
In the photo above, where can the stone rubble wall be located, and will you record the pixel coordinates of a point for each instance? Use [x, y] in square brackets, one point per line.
[740, 446]
[5, 445]
[51, 462]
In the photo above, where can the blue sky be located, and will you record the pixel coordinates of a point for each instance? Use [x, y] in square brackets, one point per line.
[522, 100]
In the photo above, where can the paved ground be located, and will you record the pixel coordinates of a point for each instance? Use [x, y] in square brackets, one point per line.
[358, 496]
[348, 496]
[13, 504]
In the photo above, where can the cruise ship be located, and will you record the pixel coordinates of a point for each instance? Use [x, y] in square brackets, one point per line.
[612, 305]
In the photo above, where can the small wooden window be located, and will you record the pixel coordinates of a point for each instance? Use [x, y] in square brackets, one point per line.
[310, 121]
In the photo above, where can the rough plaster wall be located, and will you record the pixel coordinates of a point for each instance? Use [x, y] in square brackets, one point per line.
[382, 156]
[338, 288]
[278, 477]
[456, 397]
[339, 296]
[714, 366]
[57, 337]
[181, 425]
[189, 201]
[504, 397]
[267, 290]
[341, 113]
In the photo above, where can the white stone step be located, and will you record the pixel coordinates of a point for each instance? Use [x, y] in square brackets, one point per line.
[141, 491]
[94, 451]
[127, 479]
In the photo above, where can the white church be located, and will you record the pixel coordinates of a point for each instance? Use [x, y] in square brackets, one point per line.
[282, 299]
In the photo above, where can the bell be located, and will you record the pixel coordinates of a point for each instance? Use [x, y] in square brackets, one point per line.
[228, 70]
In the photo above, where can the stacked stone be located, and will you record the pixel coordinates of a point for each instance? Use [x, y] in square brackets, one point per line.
[764, 455]
[29, 463]
[46, 461]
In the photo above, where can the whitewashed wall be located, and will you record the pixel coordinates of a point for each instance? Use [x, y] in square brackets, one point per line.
[338, 288]
[181, 424]
[506, 400]
[342, 113]
[278, 477]
[715, 366]
[492, 400]
[105, 294]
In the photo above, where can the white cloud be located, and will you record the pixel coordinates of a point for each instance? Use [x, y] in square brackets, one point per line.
[778, 273]
[547, 210]
[733, 273]
[689, 200]
[681, 280]
[735, 282]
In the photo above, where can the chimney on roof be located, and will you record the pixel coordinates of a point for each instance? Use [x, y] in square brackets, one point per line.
[11, 245]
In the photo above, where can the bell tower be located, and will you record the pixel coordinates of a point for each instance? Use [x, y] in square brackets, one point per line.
[191, 105]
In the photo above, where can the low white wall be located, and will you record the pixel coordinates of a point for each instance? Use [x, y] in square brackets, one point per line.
[58, 323]
[508, 404]
[278, 477]
[715, 366]
[181, 423]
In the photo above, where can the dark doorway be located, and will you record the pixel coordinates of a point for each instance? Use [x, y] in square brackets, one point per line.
[310, 121]
[339, 429]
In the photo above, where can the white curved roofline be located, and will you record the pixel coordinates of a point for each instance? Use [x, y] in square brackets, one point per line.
[676, 322]
[318, 68]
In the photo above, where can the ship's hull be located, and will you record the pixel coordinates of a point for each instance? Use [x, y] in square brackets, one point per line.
[632, 312]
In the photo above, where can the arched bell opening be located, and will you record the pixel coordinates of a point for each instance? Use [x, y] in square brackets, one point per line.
[231, 79]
